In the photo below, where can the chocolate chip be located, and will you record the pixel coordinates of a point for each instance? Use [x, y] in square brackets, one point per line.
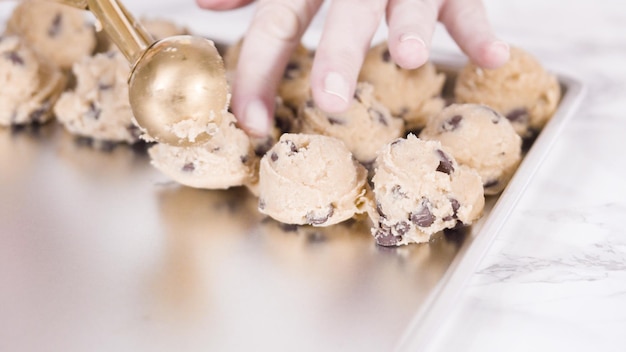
[496, 115]
[385, 237]
[518, 115]
[37, 115]
[490, 183]
[93, 112]
[357, 95]
[274, 156]
[452, 123]
[455, 206]
[291, 71]
[292, 146]
[244, 159]
[262, 203]
[333, 120]
[14, 57]
[83, 141]
[397, 192]
[133, 130]
[386, 56]
[423, 217]
[445, 164]
[378, 116]
[314, 219]
[55, 27]
[262, 148]
[188, 167]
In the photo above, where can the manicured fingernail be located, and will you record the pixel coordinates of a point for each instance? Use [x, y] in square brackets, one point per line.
[413, 49]
[256, 118]
[336, 85]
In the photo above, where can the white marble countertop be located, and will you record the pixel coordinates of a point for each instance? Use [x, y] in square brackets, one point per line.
[555, 278]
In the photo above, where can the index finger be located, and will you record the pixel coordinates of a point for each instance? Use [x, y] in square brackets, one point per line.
[274, 33]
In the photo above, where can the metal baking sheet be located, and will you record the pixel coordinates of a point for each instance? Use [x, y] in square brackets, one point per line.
[100, 252]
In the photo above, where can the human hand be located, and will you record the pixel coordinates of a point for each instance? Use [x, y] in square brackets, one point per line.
[278, 25]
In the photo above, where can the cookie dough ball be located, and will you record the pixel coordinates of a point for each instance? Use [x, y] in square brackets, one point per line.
[481, 138]
[521, 90]
[364, 128]
[311, 179]
[420, 190]
[226, 160]
[99, 107]
[28, 87]
[414, 95]
[59, 33]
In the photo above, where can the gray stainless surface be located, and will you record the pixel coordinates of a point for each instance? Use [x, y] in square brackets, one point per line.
[100, 252]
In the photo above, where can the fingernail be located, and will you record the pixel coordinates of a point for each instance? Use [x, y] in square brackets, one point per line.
[500, 47]
[413, 38]
[336, 85]
[256, 118]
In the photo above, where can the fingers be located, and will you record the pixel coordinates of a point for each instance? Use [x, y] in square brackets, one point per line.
[466, 21]
[348, 31]
[411, 25]
[274, 33]
[222, 4]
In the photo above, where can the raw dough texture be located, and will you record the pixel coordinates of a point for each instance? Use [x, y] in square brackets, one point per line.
[28, 86]
[311, 179]
[364, 128]
[59, 33]
[481, 138]
[420, 190]
[521, 90]
[226, 160]
[414, 95]
[99, 107]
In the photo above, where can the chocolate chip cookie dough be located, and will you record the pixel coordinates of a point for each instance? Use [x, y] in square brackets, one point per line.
[364, 128]
[419, 190]
[59, 33]
[98, 107]
[414, 95]
[311, 179]
[481, 138]
[29, 86]
[226, 160]
[521, 90]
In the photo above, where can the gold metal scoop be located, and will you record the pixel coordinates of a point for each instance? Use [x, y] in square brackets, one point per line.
[177, 86]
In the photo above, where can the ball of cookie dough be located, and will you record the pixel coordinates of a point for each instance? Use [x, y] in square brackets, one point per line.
[414, 95]
[99, 107]
[29, 86]
[311, 179]
[521, 90]
[419, 190]
[226, 160]
[59, 33]
[364, 128]
[481, 138]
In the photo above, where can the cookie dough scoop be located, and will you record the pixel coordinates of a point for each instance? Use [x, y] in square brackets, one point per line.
[177, 85]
